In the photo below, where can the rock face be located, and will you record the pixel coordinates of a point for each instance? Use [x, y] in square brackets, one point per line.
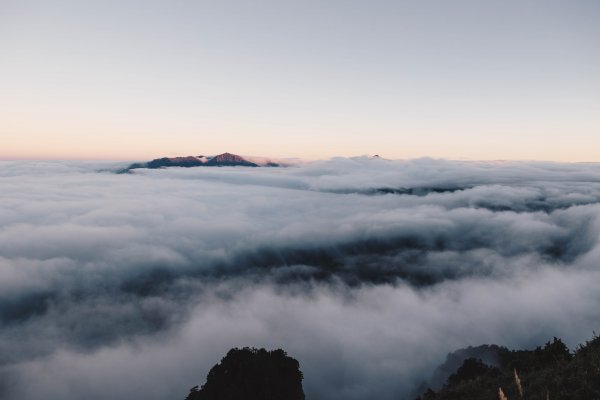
[252, 374]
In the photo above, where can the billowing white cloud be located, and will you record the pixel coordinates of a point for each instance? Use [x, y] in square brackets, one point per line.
[367, 271]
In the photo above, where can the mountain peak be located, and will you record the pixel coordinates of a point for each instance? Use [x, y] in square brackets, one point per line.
[221, 160]
[230, 160]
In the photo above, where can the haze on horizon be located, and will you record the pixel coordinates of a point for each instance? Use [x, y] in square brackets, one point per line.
[405, 79]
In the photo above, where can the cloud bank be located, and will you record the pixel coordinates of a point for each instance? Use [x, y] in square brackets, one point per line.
[367, 271]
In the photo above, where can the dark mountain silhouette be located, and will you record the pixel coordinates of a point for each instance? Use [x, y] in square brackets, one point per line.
[252, 374]
[189, 161]
[221, 160]
[547, 372]
[228, 159]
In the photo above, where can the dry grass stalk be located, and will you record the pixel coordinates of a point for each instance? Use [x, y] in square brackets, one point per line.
[518, 382]
[501, 395]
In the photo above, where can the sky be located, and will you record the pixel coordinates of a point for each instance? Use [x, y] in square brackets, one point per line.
[314, 79]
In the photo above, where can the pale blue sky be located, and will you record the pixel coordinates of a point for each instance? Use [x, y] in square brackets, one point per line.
[456, 79]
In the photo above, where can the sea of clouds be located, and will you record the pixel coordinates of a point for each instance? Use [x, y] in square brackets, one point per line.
[368, 271]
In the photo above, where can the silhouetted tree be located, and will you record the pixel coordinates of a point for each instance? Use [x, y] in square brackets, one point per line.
[472, 368]
[252, 374]
[549, 371]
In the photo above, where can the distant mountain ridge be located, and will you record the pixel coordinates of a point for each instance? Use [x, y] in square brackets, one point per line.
[220, 160]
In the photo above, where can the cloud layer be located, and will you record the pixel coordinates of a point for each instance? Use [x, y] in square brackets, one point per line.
[367, 271]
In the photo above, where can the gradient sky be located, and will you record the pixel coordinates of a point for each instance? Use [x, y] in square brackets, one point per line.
[312, 79]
